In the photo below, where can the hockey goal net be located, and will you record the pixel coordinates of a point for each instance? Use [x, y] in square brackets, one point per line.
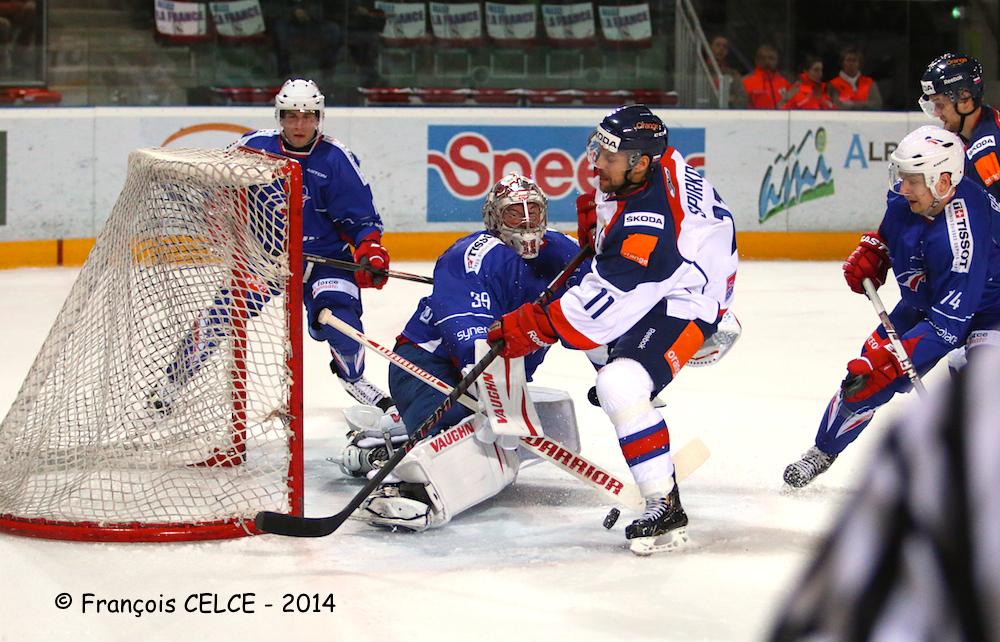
[165, 403]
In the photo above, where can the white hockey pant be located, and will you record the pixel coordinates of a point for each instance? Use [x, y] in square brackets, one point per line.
[624, 388]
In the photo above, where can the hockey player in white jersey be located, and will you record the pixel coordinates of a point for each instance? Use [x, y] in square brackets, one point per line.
[662, 279]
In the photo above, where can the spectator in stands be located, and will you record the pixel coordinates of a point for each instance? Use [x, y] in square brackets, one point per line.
[17, 29]
[362, 23]
[303, 25]
[765, 87]
[809, 91]
[850, 89]
[719, 47]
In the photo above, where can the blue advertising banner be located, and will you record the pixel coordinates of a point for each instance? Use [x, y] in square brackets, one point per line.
[464, 162]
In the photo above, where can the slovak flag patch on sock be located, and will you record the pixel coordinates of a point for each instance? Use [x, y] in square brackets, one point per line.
[645, 444]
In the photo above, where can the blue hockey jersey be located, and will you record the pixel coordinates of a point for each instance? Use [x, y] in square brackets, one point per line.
[947, 268]
[337, 205]
[476, 281]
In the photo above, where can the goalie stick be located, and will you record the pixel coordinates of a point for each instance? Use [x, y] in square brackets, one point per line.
[545, 447]
[298, 526]
[890, 331]
[350, 265]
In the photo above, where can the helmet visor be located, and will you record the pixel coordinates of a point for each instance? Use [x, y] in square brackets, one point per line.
[911, 180]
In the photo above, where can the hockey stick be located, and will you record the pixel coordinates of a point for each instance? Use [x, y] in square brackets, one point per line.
[890, 330]
[296, 526]
[350, 265]
[545, 447]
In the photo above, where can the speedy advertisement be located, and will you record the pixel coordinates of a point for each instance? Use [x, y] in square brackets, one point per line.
[465, 161]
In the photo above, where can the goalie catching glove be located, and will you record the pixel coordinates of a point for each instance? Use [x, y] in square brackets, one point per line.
[875, 370]
[523, 331]
[870, 260]
[372, 257]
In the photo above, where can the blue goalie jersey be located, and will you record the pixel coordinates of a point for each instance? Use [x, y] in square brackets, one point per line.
[476, 281]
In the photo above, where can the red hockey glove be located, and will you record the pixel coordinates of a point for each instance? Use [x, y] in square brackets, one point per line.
[875, 369]
[370, 255]
[586, 219]
[523, 331]
[869, 260]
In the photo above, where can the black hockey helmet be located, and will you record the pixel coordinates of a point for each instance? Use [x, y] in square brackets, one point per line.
[952, 74]
[633, 128]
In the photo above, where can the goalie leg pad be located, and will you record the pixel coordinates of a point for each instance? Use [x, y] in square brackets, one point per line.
[623, 387]
[558, 418]
[455, 470]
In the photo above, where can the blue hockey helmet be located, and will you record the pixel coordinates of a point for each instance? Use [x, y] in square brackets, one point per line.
[953, 75]
[633, 128]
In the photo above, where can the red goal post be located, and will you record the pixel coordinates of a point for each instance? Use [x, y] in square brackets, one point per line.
[166, 402]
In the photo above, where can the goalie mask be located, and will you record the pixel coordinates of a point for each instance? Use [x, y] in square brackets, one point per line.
[516, 211]
[927, 152]
[299, 94]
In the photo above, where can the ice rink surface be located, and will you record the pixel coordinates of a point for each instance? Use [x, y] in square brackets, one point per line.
[535, 563]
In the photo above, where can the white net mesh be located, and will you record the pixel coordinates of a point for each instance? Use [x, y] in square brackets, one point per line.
[162, 393]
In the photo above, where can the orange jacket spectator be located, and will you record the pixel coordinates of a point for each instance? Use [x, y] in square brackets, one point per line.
[850, 89]
[809, 92]
[764, 86]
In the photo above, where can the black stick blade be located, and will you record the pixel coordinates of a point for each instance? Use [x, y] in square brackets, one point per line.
[295, 526]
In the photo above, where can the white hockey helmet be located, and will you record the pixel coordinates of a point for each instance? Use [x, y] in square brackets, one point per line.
[299, 94]
[930, 151]
[524, 237]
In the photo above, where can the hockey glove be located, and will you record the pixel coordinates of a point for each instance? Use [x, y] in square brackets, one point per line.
[523, 331]
[869, 260]
[876, 368]
[374, 260]
[586, 220]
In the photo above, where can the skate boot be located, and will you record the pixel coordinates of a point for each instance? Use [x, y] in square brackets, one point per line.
[364, 391]
[400, 506]
[813, 462]
[662, 527]
[358, 461]
[373, 437]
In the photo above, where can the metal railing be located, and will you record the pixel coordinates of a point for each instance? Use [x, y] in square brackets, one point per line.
[699, 82]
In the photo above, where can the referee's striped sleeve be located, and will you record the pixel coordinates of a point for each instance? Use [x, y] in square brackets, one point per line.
[915, 554]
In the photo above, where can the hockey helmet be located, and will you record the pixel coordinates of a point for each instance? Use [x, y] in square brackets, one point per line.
[633, 129]
[953, 75]
[299, 94]
[929, 151]
[516, 212]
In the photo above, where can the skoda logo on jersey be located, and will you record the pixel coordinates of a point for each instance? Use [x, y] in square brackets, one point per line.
[980, 145]
[465, 161]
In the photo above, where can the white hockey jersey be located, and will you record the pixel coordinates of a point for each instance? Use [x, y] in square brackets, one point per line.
[672, 239]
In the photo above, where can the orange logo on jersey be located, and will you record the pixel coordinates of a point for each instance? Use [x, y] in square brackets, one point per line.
[988, 168]
[638, 247]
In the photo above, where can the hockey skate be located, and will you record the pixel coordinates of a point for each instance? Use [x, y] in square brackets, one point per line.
[399, 506]
[364, 391]
[372, 439]
[813, 463]
[662, 526]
